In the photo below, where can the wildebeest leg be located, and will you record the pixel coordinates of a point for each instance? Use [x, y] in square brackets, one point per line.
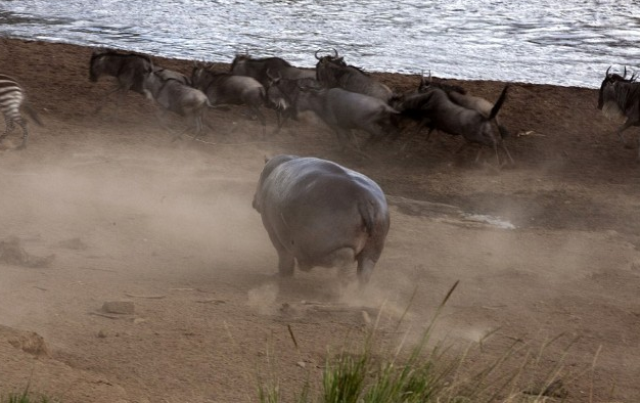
[263, 121]
[495, 150]
[462, 147]
[506, 151]
[160, 116]
[375, 133]
[281, 118]
[415, 131]
[198, 121]
[106, 98]
[345, 137]
[622, 128]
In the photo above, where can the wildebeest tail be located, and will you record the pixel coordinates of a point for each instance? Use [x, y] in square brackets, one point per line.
[499, 102]
[368, 212]
[390, 109]
[32, 113]
[221, 107]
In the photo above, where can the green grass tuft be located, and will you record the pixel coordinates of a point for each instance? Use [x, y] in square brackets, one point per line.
[431, 375]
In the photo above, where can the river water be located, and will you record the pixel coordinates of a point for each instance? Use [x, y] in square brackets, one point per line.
[569, 42]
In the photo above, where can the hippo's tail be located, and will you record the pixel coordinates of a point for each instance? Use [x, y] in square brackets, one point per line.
[368, 212]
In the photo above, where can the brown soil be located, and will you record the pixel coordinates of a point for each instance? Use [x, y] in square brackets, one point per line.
[131, 216]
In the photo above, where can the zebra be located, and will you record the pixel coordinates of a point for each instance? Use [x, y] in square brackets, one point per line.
[12, 97]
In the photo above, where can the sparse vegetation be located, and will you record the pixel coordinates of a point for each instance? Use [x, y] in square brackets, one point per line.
[430, 375]
[25, 397]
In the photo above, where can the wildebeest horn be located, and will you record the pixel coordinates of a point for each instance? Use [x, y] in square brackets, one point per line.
[316, 54]
[607, 72]
[624, 75]
[335, 52]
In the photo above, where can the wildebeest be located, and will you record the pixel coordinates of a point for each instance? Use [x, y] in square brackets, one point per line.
[319, 213]
[344, 111]
[226, 88]
[441, 113]
[128, 68]
[12, 98]
[167, 74]
[460, 96]
[174, 96]
[283, 95]
[333, 72]
[620, 97]
[245, 65]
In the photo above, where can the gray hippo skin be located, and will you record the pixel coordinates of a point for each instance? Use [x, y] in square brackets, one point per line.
[319, 213]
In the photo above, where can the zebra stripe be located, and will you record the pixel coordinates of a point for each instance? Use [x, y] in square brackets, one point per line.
[11, 99]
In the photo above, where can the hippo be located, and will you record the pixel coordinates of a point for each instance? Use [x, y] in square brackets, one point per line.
[319, 213]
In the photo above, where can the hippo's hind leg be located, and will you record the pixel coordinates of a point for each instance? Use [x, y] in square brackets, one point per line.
[367, 260]
[286, 260]
[286, 263]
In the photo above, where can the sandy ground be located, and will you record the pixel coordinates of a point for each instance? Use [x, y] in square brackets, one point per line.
[131, 216]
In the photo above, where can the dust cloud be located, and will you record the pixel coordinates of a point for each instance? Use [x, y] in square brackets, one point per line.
[168, 202]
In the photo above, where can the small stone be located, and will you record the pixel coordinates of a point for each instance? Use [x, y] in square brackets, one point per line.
[301, 364]
[119, 307]
[102, 334]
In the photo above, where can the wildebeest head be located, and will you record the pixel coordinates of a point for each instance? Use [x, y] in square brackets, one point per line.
[276, 98]
[335, 58]
[239, 63]
[97, 65]
[607, 87]
[199, 74]
[426, 84]
[283, 93]
[245, 65]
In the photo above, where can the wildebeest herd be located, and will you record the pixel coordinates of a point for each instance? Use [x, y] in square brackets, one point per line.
[343, 96]
[316, 212]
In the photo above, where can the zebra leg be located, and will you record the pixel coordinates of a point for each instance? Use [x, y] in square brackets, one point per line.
[9, 126]
[25, 134]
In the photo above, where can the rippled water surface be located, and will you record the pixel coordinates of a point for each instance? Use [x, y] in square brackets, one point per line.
[568, 42]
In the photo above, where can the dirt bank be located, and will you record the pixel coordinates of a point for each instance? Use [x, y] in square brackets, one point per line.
[128, 215]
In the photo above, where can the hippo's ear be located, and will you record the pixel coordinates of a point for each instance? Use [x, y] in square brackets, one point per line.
[266, 159]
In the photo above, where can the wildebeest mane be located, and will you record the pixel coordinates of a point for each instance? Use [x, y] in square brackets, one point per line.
[98, 54]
